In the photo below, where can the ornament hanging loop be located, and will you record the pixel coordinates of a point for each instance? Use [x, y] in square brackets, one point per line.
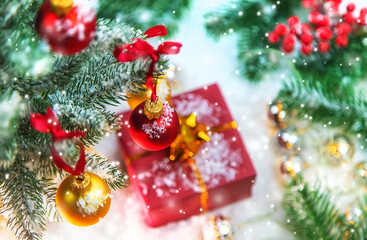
[81, 183]
[153, 109]
[62, 7]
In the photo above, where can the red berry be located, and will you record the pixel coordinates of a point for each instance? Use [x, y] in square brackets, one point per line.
[293, 21]
[305, 28]
[324, 33]
[288, 44]
[306, 38]
[349, 18]
[314, 17]
[363, 11]
[324, 21]
[362, 21]
[281, 29]
[306, 49]
[341, 41]
[351, 7]
[343, 29]
[324, 47]
[273, 38]
[308, 3]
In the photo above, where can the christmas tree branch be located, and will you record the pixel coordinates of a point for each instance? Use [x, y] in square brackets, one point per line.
[115, 178]
[311, 213]
[146, 13]
[23, 200]
[345, 108]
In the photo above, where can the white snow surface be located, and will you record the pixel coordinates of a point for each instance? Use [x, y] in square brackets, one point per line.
[203, 61]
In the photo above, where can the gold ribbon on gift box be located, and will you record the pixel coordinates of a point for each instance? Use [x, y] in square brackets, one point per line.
[191, 137]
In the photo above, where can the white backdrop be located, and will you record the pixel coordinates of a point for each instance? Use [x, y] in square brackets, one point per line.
[203, 61]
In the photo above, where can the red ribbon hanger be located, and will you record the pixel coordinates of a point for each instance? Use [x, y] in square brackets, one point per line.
[142, 49]
[50, 124]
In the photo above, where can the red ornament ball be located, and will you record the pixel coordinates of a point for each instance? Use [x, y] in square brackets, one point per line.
[324, 47]
[281, 29]
[68, 29]
[306, 49]
[154, 134]
[341, 41]
[273, 38]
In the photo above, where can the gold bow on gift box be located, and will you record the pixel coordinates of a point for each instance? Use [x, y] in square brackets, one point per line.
[188, 142]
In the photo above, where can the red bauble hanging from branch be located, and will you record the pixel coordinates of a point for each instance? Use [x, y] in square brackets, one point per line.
[68, 27]
[154, 124]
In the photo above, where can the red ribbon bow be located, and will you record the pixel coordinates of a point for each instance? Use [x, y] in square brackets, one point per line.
[142, 49]
[50, 124]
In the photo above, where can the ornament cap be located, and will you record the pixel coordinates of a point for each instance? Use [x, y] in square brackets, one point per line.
[81, 183]
[153, 110]
[62, 7]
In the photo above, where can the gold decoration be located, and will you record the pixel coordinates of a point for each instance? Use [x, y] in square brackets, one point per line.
[352, 215]
[163, 91]
[292, 165]
[288, 139]
[277, 114]
[338, 150]
[361, 173]
[218, 228]
[189, 140]
[62, 7]
[83, 200]
[153, 110]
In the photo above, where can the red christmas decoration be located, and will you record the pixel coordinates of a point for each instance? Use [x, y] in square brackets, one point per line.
[50, 124]
[67, 27]
[326, 26]
[154, 125]
[154, 134]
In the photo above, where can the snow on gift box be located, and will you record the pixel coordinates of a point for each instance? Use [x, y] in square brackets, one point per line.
[217, 173]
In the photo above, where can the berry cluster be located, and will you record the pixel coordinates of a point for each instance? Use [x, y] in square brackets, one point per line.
[320, 30]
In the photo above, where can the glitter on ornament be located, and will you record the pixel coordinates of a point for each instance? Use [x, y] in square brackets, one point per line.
[156, 129]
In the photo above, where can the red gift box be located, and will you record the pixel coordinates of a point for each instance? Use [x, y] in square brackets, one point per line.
[171, 191]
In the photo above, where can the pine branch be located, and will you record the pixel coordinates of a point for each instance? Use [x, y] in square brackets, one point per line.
[311, 213]
[341, 106]
[22, 197]
[146, 13]
[50, 199]
[115, 178]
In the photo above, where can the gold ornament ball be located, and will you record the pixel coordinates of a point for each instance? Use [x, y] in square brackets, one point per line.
[218, 228]
[83, 200]
[361, 173]
[288, 140]
[292, 165]
[338, 150]
[277, 114]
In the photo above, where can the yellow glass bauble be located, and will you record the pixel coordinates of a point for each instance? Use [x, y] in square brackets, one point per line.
[83, 200]
[163, 91]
